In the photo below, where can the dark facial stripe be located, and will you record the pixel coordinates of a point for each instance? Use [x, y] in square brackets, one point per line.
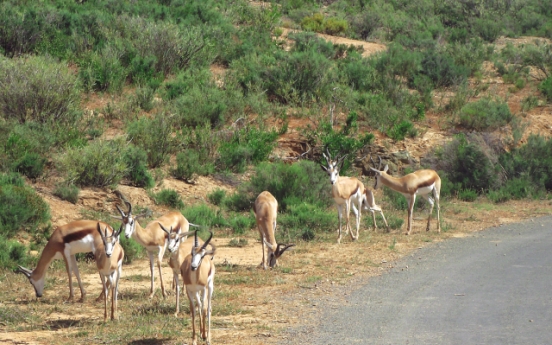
[76, 236]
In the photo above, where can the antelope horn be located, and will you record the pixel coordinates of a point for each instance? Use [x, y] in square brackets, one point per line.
[120, 211]
[163, 228]
[187, 233]
[24, 270]
[207, 242]
[99, 228]
[119, 231]
[194, 225]
[286, 247]
[196, 242]
[129, 207]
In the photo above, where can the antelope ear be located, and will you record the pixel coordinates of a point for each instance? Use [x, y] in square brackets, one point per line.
[117, 217]
[27, 272]
[386, 167]
[374, 169]
[286, 247]
[324, 168]
[163, 228]
[99, 229]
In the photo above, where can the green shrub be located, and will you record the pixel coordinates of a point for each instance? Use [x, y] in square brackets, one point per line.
[30, 164]
[37, 88]
[247, 146]
[12, 254]
[99, 164]
[155, 136]
[102, 70]
[330, 26]
[545, 87]
[144, 98]
[485, 114]
[135, 159]
[240, 224]
[217, 197]
[442, 70]
[21, 207]
[133, 250]
[169, 197]
[302, 220]
[239, 202]
[400, 130]
[203, 215]
[467, 195]
[488, 29]
[188, 163]
[68, 192]
[469, 162]
[238, 243]
[395, 223]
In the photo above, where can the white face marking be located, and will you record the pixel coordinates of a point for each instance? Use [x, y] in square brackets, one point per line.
[174, 242]
[333, 172]
[196, 260]
[130, 226]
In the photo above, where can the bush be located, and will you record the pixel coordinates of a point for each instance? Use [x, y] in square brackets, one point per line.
[99, 164]
[467, 195]
[189, 163]
[169, 197]
[301, 220]
[204, 216]
[545, 87]
[155, 136]
[135, 159]
[217, 197]
[30, 164]
[133, 250]
[21, 207]
[442, 70]
[68, 192]
[37, 88]
[103, 70]
[247, 146]
[485, 114]
[12, 254]
[239, 202]
[240, 224]
[330, 26]
[400, 130]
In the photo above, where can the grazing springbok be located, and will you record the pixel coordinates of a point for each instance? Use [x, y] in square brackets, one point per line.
[198, 276]
[421, 182]
[266, 210]
[153, 237]
[109, 261]
[79, 236]
[349, 192]
[178, 250]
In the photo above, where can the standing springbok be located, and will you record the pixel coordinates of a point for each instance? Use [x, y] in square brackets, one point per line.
[178, 250]
[153, 237]
[349, 192]
[198, 277]
[266, 210]
[109, 260]
[421, 182]
[79, 236]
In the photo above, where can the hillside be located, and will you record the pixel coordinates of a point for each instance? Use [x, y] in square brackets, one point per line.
[260, 95]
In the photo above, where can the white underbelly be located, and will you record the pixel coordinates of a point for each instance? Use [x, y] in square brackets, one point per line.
[425, 190]
[84, 245]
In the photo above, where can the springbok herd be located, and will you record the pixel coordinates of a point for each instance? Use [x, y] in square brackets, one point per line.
[187, 253]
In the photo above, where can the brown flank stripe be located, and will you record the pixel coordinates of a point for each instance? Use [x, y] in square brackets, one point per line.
[427, 183]
[79, 235]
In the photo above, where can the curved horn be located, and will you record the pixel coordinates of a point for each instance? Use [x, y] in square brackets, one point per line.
[207, 242]
[285, 247]
[196, 242]
[163, 228]
[119, 231]
[129, 207]
[27, 272]
[120, 211]
[99, 228]
[187, 233]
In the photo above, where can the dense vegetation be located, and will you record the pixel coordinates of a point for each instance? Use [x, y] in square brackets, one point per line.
[54, 54]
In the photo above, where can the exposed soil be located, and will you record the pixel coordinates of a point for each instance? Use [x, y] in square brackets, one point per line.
[268, 301]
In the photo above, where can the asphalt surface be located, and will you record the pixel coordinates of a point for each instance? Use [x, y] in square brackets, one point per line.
[493, 287]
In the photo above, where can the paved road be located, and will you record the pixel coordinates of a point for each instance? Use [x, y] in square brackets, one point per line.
[494, 287]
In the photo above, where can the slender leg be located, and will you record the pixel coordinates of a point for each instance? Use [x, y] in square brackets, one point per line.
[106, 293]
[347, 214]
[411, 202]
[263, 263]
[210, 290]
[159, 259]
[175, 279]
[116, 292]
[431, 203]
[339, 217]
[77, 274]
[357, 218]
[436, 192]
[374, 220]
[192, 311]
[384, 220]
[150, 254]
[70, 274]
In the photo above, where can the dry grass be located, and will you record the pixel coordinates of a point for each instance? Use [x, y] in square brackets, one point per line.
[251, 306]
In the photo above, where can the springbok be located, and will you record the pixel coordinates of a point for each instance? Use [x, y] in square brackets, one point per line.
[153, 237]
[266, 210]
[421, 182]
[79, 236]
[178, 250]
[109, 260]
[349, 192]
[198, 276]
